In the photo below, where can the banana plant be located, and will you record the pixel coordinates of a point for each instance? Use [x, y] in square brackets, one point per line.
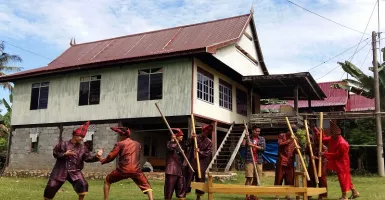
[363, 85]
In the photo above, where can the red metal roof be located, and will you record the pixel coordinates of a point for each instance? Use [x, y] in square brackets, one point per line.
[335, 97]
[359, 103]
[202, 37]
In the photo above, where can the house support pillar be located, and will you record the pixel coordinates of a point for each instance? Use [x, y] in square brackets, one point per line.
[296, 100]
[214, 137]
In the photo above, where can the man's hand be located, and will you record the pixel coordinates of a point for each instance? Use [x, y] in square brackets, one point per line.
[314, 157]
[321, 153]
[173, 138]
[197, 150]
[247, 134]
[70, 153]
[100, 153]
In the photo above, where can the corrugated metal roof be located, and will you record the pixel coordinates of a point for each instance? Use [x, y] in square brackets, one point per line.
[360, 103]
[335, 97]
[205, 37]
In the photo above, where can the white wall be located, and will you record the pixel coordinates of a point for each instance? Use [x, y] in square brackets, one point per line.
[213, 110]
[118, 97]
[248, 45]
[235, 59]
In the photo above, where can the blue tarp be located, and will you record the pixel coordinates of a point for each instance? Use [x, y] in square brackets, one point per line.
[269, 155]
[271, 152]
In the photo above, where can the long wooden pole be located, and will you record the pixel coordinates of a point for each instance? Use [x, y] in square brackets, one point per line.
[172, 134]
[298, 151]
[251, 153]
[321, 123]
[311, 152]
[196, 145]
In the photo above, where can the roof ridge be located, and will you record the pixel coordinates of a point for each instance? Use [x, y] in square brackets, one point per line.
[330, 82]
[165, 29]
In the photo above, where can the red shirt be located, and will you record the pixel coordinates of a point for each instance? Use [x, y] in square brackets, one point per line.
[129, 156]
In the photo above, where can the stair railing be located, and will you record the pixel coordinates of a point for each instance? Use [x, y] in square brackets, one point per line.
[220, 148]
[235, 152]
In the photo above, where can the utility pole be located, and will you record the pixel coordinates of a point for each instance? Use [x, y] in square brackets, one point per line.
[380, 151]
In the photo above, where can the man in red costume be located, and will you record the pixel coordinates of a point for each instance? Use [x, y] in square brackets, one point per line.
[128, 163]
[284, 168]
[70, 157]
[322, 179]
[205, 151]
[338, 159]
[174, 167]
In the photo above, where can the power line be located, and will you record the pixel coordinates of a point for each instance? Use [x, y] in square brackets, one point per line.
[365, 58]
[325, 17]
[361, 64]
[367, 24]
[50, 59]
[28, 51]
[336, 56]
[379, 33]
[338, 65]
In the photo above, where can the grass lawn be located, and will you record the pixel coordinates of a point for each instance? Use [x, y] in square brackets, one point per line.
[370, 188]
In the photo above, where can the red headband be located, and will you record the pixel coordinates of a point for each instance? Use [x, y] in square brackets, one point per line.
[177, 132]
[122, 130]
[207, 128]
[82, 130]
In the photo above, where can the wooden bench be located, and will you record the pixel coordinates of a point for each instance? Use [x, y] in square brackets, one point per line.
[295, 190]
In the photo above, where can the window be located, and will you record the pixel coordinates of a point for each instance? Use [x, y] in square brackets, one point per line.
[39, 96]
[150, 84]
[205, 86]
[225, 95]
[34, 141]
[89, 92]
[241, 102]
[149, 146]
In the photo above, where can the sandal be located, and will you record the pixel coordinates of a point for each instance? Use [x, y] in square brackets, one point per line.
[354, 196]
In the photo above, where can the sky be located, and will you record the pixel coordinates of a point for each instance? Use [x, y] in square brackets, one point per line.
[292, 39]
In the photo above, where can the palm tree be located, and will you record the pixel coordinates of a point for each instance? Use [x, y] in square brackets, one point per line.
[363, 85]
[5, 59]
[5, 126]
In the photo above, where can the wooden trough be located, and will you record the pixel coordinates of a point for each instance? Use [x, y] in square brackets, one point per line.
[209, 187]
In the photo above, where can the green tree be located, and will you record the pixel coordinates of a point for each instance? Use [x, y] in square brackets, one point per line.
[5, 68]
[5, 60]
[360, 132]
[363, 85]
[5, 127]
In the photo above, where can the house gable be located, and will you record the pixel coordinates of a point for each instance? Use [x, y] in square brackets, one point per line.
[244, 56]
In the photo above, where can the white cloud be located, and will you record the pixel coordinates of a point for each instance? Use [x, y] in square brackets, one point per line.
[292, 39]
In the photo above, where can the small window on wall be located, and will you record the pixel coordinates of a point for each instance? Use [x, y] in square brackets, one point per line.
[39, 96]
[150, 84]
[205, 86]
[225, 95]
[89, 138]
[89, 92]
[34, 141]
[149, 146]
[241, 102]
